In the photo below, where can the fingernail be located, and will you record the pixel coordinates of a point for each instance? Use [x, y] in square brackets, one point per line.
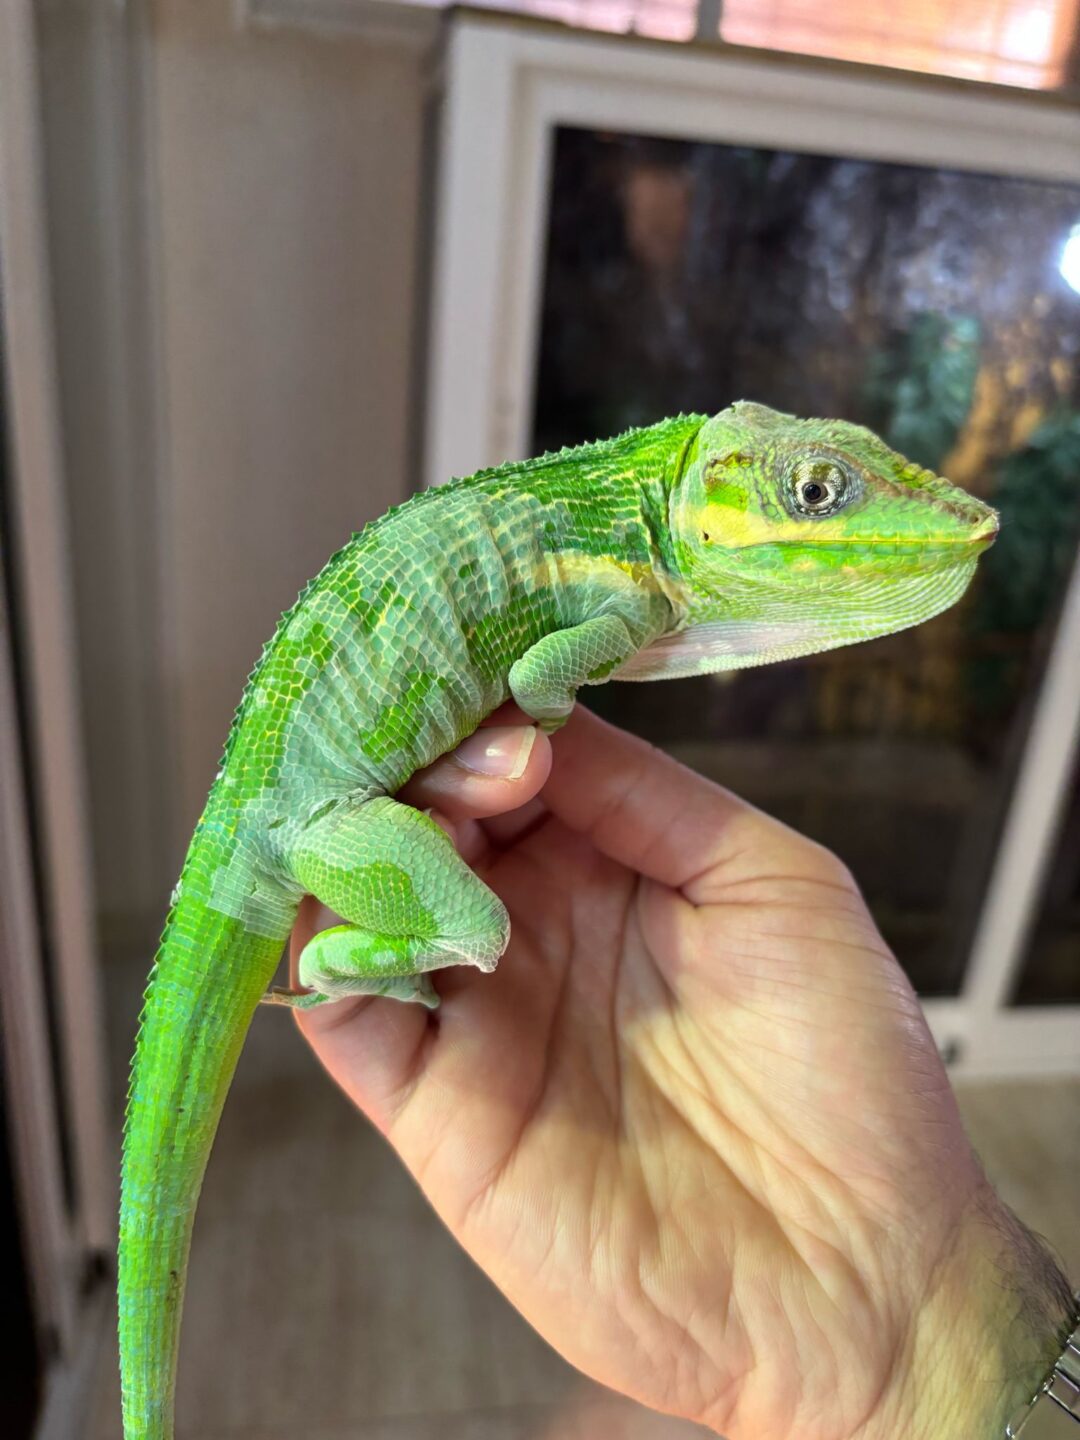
[501, 751]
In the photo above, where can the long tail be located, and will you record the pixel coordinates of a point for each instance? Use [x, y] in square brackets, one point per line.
[209, 974]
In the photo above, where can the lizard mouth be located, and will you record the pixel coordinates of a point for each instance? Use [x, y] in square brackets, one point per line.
[986, 533]
[955, 544]
[950, 549]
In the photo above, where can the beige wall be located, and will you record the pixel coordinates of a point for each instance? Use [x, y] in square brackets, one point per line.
[236, 216]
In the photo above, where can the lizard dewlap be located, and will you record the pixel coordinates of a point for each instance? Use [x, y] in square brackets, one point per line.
[690, 546]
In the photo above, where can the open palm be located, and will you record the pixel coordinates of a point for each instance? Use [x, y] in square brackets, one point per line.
[694, 1126]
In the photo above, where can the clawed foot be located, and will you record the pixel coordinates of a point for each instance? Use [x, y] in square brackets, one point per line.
[295, 999]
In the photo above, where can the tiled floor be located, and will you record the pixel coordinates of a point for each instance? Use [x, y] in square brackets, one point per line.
[325, 1301]
[1028, 1136]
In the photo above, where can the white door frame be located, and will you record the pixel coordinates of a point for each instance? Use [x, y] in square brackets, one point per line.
[40, 538]
[508, 84]
[64, 1241]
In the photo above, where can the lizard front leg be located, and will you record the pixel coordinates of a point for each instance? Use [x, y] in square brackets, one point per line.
[411, 903]
[544, 682]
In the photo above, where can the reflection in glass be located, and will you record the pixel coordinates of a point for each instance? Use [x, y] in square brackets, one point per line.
[928, 304]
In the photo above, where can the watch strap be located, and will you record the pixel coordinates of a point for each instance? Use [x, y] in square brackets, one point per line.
[1054, 1414]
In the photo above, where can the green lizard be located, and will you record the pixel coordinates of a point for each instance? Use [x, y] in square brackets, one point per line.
[691, 546]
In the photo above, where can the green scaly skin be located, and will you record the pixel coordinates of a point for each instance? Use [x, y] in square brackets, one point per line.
[691, 546]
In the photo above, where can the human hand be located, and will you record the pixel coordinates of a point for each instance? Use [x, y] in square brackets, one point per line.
[694, 1126]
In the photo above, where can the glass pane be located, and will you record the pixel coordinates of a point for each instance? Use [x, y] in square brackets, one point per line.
[929, 304]
[1050, 974]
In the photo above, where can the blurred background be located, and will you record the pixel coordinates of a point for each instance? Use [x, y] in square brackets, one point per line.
[267, 266]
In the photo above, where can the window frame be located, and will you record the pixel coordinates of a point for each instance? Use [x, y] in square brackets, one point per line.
[507, 85]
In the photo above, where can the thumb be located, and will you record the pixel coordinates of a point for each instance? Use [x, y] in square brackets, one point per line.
[499, 768]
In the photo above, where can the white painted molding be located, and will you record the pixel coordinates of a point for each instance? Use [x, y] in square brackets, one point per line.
[99, 109]
[50, 1246]
[39, 525]
[54, 1238]
[1042, 788]
[413, 26]
[1026, 1041]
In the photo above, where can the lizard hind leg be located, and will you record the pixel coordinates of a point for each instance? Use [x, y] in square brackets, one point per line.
[411, 905]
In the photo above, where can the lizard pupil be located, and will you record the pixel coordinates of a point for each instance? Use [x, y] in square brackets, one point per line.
[818, 487]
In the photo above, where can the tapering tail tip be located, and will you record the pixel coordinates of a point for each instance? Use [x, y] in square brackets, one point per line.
[209, 975]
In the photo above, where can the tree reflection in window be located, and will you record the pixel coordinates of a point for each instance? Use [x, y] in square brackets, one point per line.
[927, 303]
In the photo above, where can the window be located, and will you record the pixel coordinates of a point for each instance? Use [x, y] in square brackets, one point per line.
[1031, 43]
[1011, 42]
[930, 304]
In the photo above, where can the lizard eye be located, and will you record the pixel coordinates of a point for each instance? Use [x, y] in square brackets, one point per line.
[818, 487]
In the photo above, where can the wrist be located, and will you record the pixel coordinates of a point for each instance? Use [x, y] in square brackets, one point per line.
[984, 1337]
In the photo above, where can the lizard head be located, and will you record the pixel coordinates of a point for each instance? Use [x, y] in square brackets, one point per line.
[812, 533]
